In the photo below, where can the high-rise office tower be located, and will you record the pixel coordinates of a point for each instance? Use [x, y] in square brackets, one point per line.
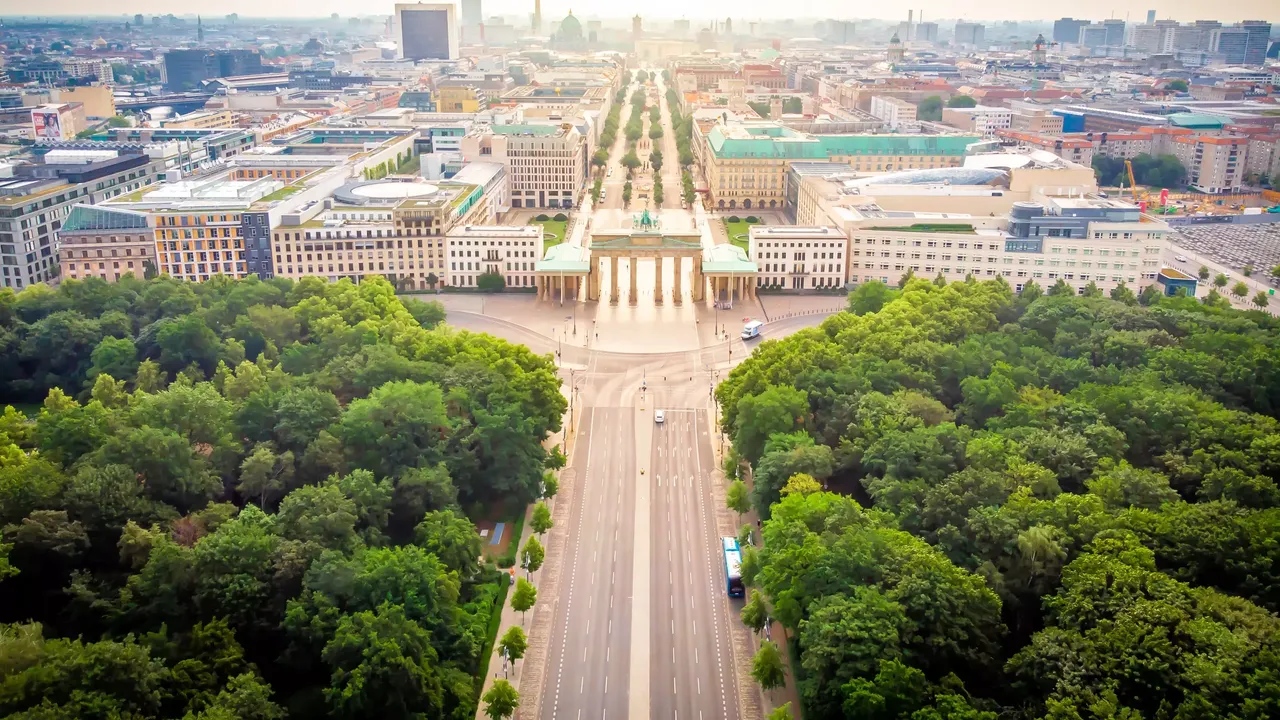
[428, 31]
[472, 14]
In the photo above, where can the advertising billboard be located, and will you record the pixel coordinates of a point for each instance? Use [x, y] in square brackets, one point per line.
[48, 124]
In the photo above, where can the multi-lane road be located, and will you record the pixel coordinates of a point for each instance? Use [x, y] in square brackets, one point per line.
[691, 661]
[640, 621]
[588, 663]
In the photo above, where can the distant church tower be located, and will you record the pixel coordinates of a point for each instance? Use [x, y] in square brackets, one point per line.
[635, 28]
[199, 30]
[896, 51]
[537, 17]
[1038, 51]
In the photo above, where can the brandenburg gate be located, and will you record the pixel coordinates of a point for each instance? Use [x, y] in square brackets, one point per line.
[725, 267]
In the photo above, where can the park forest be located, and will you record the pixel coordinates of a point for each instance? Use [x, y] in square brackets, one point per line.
[250, 499]
[979, 505]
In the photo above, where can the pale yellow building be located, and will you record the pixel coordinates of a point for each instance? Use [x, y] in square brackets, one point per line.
[98, 100]
[202, 120]
[460, 99]
[746, 163]
[105, 243]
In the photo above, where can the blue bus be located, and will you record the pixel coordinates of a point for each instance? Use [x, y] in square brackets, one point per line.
[733, 567]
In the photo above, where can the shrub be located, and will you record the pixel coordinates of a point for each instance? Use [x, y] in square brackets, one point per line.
[734, 218]
[752, 219]
[560, 217]
[542, 218]
[491, 282]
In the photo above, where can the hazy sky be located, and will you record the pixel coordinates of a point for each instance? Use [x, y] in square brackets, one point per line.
[989, 10]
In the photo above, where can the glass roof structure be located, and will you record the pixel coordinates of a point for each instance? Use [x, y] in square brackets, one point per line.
[90, 217]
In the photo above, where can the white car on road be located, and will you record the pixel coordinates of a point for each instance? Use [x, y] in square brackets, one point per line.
[1180, 258]
[659, 417]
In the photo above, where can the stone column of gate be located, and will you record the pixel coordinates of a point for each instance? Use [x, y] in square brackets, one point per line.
[593, 280]
[657, 280]
[613, 279]
[698, 281]
[676, 291]
[631, 263]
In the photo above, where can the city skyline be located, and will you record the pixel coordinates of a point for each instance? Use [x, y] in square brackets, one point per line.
[1134, 11]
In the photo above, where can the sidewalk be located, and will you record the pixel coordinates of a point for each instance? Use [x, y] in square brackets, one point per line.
[544, 606]
[743, 637]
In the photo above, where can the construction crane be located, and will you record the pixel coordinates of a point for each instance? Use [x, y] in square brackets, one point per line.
[1133, 184]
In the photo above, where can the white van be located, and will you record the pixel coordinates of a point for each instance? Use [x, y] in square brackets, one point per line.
[752, 329]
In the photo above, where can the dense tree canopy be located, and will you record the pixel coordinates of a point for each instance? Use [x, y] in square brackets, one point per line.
[245, 499]
[1048, 506]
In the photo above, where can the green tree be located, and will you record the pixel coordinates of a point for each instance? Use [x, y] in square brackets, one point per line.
[802, 483]
[383, 664]
[541, 520]
[737, 498]
[767, 667]
[930, 109]
[655, 161]
[513, 645]
[1240, 290]
[630, 161]
[265, 474]
[782, 712]
[501, 700]
[532, 555]
[755, 614]
[1177, 85]
[117, 357]
[524, 597]
[776, 410]
[491, 282]
[1204, 272]
[452, 538]
[962, 101]
[1260, 300]
[1220, 280]
[870, 297]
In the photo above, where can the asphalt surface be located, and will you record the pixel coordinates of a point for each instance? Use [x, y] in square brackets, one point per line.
[691, 673]
[588, 662]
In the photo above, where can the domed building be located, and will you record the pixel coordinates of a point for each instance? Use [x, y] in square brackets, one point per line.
[896, 51]
[569, 36]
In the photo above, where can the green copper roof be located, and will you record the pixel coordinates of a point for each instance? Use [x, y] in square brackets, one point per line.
[1198, 121]
[778, 142]
[89, 217]
[564, 258]
[727, 258]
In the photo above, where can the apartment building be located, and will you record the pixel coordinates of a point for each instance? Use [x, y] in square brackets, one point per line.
[1263, 158]
[1079, 240]
[511, 251]
[106, 243]
[895, 112]
[798, 258]
[1116, 144]
[746, 163]
[546, 164]
[986, 120]
[1214, 164]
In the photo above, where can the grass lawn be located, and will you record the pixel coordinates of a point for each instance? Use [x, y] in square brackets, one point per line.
[283, 192]
[553, 232]
[733, 229]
